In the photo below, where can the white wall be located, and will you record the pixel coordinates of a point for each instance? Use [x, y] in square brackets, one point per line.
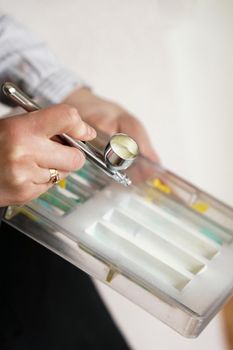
[169, 62]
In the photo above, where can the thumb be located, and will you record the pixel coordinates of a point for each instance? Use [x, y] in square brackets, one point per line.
[134, 128]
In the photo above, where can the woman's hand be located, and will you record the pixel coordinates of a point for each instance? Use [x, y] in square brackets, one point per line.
[27, 151]
[111, 118]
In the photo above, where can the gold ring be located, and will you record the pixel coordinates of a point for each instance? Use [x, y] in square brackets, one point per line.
[54, 176]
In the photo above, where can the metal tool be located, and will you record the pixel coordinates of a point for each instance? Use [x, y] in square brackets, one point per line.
[119, 153]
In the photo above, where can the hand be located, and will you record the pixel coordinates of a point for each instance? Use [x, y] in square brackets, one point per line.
[111, 118]
[27, 151]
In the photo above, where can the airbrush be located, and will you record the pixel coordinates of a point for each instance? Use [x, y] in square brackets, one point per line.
[119, 153]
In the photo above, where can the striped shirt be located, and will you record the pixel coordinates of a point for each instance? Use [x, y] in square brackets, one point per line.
[27, 61]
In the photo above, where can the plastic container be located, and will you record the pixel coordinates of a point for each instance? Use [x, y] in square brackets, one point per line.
[162, 243]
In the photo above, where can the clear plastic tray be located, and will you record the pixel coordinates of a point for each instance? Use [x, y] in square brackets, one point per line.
[162, 243]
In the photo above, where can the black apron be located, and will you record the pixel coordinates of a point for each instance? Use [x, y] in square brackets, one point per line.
[48, 304]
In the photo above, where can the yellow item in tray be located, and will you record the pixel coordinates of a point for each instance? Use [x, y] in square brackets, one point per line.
[161, 186]
[62, 183]
[201, 207]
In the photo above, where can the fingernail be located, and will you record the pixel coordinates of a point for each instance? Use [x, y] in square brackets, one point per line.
[83, 129]
[86, 130]
[91, 131]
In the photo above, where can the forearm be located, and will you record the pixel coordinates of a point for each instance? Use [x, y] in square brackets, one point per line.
[26, 61]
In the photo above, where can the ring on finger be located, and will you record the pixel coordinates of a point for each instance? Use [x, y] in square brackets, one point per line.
[54, 176]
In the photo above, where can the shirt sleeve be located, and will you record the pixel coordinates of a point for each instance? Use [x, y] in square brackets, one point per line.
[27, 61]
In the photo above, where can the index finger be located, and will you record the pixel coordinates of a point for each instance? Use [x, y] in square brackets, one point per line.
[60, 119]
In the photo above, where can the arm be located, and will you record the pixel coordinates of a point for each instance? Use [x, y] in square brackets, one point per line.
[27, 148]
[26, 61]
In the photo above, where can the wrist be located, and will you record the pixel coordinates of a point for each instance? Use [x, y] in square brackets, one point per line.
[79, 96]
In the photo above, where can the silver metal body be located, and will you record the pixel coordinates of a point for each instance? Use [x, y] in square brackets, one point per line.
[110, 163]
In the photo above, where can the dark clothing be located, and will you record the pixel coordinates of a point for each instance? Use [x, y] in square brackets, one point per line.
[2, 210]
[48, 304]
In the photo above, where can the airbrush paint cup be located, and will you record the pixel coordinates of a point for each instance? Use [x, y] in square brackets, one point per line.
[120, 151]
